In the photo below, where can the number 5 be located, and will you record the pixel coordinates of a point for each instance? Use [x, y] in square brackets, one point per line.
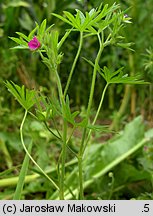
[146, 207]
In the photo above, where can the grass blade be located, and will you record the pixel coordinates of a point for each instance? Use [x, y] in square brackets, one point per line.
[23, 172]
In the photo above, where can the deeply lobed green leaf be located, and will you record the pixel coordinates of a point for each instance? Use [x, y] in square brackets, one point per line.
[24, 96]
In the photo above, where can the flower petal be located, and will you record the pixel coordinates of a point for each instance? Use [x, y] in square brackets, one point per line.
[34, 44]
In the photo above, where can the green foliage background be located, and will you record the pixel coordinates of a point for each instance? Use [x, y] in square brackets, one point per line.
[121, 104]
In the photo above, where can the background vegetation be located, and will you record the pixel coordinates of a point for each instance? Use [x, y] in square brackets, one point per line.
[131, 178]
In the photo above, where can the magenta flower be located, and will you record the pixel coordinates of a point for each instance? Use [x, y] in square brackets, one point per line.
[34, 44]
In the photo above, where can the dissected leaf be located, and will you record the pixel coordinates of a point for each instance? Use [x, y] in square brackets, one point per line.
[31, 34]
[42, 27]
[23, 36]
[24, 96]
[64, 38]
[119, 77]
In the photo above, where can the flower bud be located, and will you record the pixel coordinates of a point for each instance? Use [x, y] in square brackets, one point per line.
[34, 44]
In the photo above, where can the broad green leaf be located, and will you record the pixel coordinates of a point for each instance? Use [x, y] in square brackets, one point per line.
[127, 174]
[149, 134]
[115, 148]
[101, 158]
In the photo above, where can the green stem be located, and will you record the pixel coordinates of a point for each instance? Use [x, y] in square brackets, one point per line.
[94, 79]
[64, 146]
[73, 129]
[59, 86]
[51, 131]
[74, 64]
[111, 97]
[80, 158]
[81, 151]
[68, 140]
[55, 125]
[81, 192]
[65, 123]
[62, 176]
[6, 153]
[100, 104]
[22, 141]
[97, 114]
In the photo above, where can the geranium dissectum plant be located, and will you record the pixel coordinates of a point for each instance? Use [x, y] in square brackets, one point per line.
[34, 44]
[105, 25]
